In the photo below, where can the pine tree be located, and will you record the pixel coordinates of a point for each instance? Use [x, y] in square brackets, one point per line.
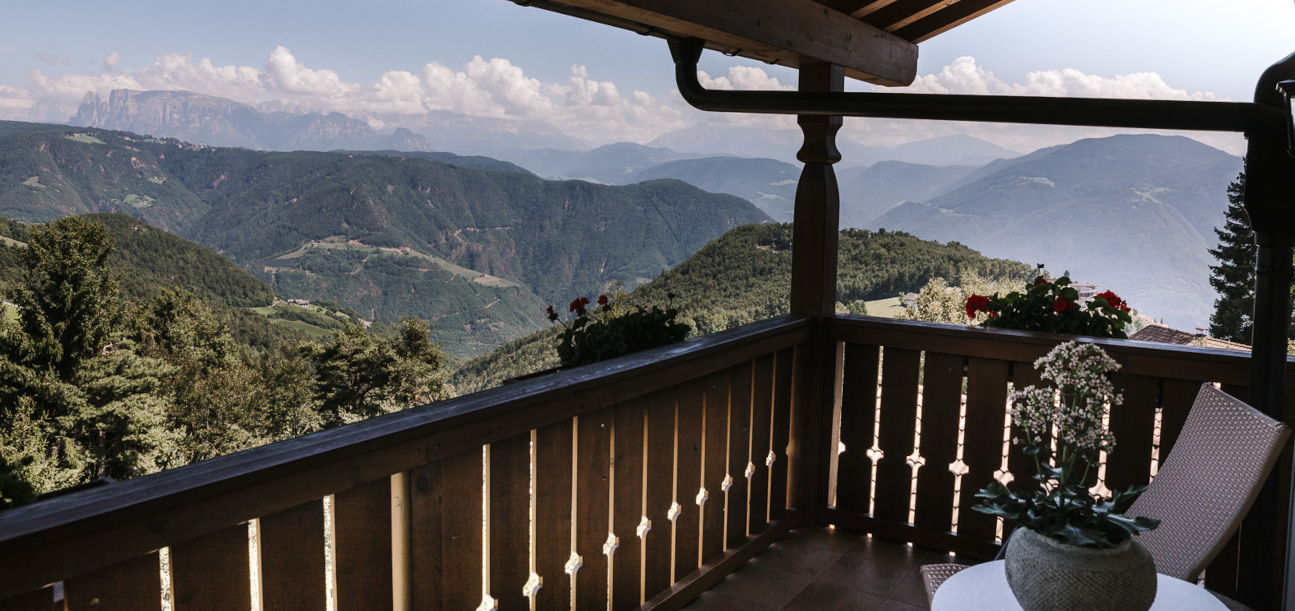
[1234, 276]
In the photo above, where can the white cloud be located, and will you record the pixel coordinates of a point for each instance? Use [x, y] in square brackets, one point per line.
[111, 61]
[284, 73]
[964, 76]
[742, 78]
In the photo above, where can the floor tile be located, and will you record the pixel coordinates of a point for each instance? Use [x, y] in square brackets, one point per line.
[823, 595]
[894, 605]
[761, 586]
[910, 589]
[796, 559]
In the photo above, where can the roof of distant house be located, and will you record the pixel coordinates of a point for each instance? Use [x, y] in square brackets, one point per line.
[1162, 334]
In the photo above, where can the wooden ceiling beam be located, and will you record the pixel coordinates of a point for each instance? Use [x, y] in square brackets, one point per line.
[899, 13]
[787, 32]
[947, 19]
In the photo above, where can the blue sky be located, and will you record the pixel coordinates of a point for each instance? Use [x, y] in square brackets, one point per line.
[372, 59]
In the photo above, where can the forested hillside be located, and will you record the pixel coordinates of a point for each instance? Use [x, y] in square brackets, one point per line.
[745, 276]
[475, 252]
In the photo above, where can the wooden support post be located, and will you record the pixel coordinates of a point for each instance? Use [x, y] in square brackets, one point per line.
[813, 287]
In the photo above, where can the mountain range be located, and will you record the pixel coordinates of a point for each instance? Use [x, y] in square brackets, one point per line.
[1132, 213]
[479, 253]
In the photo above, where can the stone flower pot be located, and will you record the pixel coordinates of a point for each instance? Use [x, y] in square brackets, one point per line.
[1047, 575]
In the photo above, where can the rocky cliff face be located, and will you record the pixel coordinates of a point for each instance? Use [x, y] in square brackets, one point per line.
[220, 122]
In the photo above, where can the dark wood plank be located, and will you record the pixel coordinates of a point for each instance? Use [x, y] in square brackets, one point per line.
[899, 378]
[362, 546]
[715, 463]
[659, 543]
[1221, 575]
[739, 453]
[553, 459]
[761, 427]
[941, 402]
[982, 448]
[510, 545]
[688, 477]
[858, 420]
[628, 510]
[592, 514]
[951, 16]
[784, 361]
[291, 543]
[39, 600]
[213, 571]
[426, 500]
[461, 542]
[133, 585]
[1176, 399]
[1133, 424]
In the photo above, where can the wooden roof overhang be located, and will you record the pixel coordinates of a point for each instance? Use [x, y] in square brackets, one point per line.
[874, 40]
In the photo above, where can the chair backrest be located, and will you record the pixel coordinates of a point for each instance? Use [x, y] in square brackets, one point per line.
[1208, 482]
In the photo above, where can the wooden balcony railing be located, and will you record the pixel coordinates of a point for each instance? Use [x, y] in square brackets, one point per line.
[922, 413]
[637, 482]
[644, 479]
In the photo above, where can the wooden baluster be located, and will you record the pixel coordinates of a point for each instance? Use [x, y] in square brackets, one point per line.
[592, 492]
[941, 404]
[292, 559]
[426, 548]
[858, 419]
[660, 491]
[1176, 401]
[362, 546]
[715, 459]
[510, 466]
[782, 415]
[900, 369]
[1019, 463]
[1133, 424]
[982, 443]
[461, 543]
[133, 585]
[553, 546]
[739, 453]
[761, 424]
[213, 572]
[628, 510]
[688, 525]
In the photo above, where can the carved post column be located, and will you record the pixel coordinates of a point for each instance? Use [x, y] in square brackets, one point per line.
[813, 291]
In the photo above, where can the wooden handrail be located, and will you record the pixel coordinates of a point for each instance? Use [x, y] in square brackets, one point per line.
[73, 534]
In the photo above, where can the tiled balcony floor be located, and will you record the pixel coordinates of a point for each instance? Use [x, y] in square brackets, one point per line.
[822, 570]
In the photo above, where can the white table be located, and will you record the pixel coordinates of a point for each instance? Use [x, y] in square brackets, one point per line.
[984, 587]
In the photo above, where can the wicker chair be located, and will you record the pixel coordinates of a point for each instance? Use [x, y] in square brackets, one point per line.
[1202, 490]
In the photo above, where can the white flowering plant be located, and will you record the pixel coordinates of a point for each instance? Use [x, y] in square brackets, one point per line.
[1070, 413]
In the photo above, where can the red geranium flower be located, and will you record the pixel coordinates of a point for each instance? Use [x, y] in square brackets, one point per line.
[1062, 304]
[552, 315]
[578, 306]
[602, 300]
[977, 303]
[1040, 280]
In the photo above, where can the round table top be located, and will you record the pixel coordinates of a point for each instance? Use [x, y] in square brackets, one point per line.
[984, 586]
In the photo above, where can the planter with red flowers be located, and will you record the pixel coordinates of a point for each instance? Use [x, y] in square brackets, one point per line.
[613, 328]
[1054, 306]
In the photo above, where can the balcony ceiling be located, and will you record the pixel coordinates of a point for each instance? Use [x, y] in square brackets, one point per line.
[875, 40]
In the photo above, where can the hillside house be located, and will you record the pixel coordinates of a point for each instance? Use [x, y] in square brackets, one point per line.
[645, 481]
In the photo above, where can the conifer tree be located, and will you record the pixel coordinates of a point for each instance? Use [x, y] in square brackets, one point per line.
[1234, 276]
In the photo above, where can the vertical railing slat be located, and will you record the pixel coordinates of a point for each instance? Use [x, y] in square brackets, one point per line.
[784, 360]
[739, 452]
[213, 571]
[660, 491]
[291, 543]
[1176, 401]
[553, 514]
[688, 526]
[899, 379]
[858, 419]
[510, 465]
[133, 585]
[982, 443]
[1133, 424]
[716, 457]
[1019, 464]
[941, 403]
[761, 422]
[362, 546]
[461, 530]
[592, 526]
[426, 499]
[627, 511]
